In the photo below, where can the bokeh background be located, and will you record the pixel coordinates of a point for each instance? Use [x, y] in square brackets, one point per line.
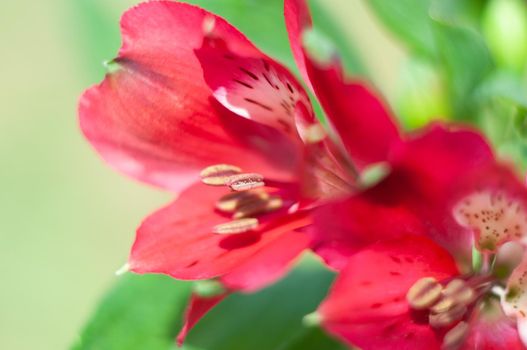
[66, 220]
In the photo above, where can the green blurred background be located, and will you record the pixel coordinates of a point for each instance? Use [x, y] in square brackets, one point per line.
[66, 220]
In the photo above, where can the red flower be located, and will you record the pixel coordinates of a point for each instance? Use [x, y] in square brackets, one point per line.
[406, 251]
[193, 107]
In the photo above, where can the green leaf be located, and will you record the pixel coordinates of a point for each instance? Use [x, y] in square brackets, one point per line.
[503, 85]
[145, 312]
[467, 62]
[140, 312]
[409, 20]
[325, 24]
[94, 33]
[466, 13]
[505, 28]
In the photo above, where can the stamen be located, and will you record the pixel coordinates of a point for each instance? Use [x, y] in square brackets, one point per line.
[243, 182]
[448, 317]
[217, 175]
[460, 291]
[234, 200]
[236, 226]
[455, 337]
[257, 207]
[424, 293]
[445, 304]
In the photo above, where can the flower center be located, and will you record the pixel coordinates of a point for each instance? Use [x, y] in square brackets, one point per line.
[247, 199]
[449, 304]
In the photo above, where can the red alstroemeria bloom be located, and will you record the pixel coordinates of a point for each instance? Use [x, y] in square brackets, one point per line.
[193, 107]
[408, 247]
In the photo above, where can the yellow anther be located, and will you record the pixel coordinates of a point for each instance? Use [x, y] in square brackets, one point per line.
[217, 175]
[230, 202]
[443, 305]
[454, 338]
[258, 207]
[460, 291]
[243, 182]
[236, 226]
[424, 293]
[446, 318]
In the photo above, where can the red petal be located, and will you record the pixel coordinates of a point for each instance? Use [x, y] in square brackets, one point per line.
[196, 309]
[178, 240]
[492, 330]
[153, 118]
[253, 87]
[298, 19]
[268, 264]
[361, 120]
[367, 305]
[441, 164]
[342, 228]
[429, 174]
[364, 125]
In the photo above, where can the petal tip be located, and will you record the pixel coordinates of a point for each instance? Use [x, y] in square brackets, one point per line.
[123, 269]
[313, 319]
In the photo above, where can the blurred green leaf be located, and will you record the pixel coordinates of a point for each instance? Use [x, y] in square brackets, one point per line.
[409, 20]
[503, 115]
[460, 12]
[466, 60]
[95, 33]
[325, 23]
[422, 95]
[503, 85]
[505, 28]
[144, 312]
[140, 312]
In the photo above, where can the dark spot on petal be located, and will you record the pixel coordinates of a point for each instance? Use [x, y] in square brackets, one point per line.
[395, 259]
[194, 263]
[250, 100]
[249, 73]
[244, 84]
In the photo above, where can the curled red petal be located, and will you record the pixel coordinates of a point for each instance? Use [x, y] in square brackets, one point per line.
[367, 305]
[196, 309]
[178, 240]
[153, 118]
[361, 120]
[297, 20]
